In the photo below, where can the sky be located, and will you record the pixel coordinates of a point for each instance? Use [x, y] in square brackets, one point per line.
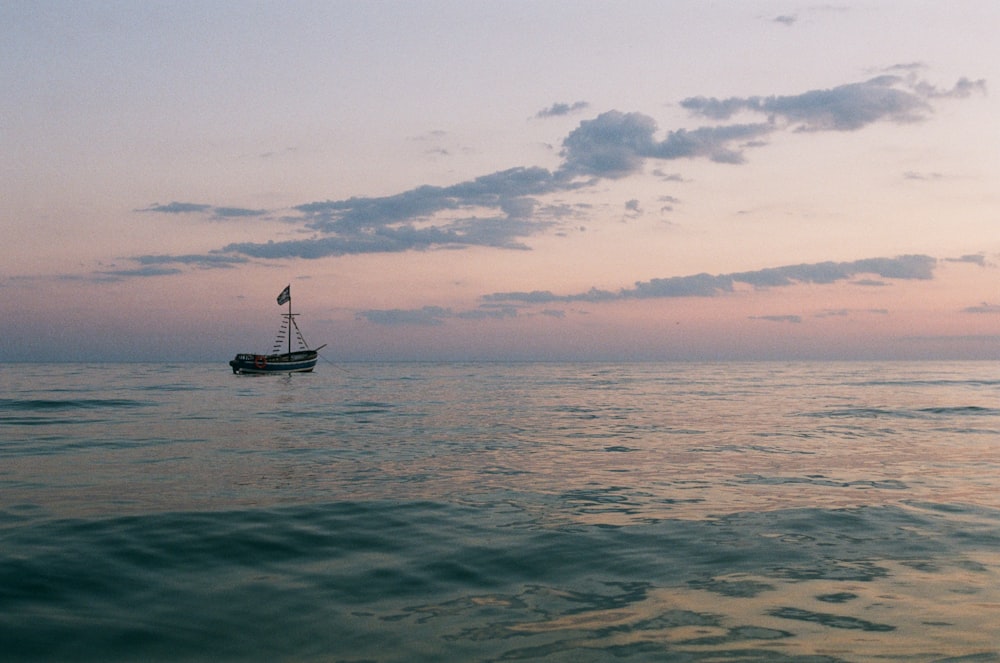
[515, 180]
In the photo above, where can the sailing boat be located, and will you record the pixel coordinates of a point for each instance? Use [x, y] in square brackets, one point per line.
[301, 361]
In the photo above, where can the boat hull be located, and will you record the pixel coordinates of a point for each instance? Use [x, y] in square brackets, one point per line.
[294, 362]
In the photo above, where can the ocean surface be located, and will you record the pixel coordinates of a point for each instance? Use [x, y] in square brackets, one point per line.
[501, 512]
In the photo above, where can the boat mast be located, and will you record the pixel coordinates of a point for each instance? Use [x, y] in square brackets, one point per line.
[289, 323]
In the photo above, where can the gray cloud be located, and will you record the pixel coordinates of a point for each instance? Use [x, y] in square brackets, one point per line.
[962, 89]
[407, 221]
[215, 260]
[426, 316]
[504, 208]
[198, 208]
[982, 308]
[708, 285]
[842, 108]
[176, 208]
[506, 191]
[611, 145]
[904, 267]
[668, 177]
[140, 272]
[698, 285]
[844, 312]
[504, 305]
[559, 109]
[973, 258]
[914, 175]
[497, 232]
[615, 144]
[237, 212]
[488, 313]
[778, 318]
[433, 315]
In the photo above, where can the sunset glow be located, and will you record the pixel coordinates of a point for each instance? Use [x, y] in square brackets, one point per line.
[454, 180]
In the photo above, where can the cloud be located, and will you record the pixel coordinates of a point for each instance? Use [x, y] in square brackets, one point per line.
[914, 175]
[433, 315]
[958, 338]
[962, 89]
[139, 272]
[972, 258]
[982, 308]
[496, 210]
[176, 208]
[615, 144]
[786, 19]
[843, 108]
[904, 267]
[502, 209]
[214, 260]
[160, 265]
[611, 145]
[198, 208]
[668, 177]
[426, 316]
[708, 285]
[560, 109]
[907, 67]
[494, 232]
[498, 190]
[488, 313]
[844, 312]
[778, 318]
[698, 285]
[237, 212]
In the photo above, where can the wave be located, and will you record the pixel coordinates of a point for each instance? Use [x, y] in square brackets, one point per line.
[928, 383]
[33, 413]
[48, 405]
[437, 512]
[903, 413]
[423, 581]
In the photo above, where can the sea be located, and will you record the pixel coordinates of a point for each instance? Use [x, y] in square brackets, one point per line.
[570, 512]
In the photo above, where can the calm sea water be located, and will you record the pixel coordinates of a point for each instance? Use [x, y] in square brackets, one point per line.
[501, 512]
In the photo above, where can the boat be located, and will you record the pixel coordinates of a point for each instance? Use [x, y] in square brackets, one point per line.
[301, 360]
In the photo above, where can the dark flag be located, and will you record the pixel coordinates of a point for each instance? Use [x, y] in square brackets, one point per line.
[285, 295]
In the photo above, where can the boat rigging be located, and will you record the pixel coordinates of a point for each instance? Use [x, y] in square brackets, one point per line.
[301, 360]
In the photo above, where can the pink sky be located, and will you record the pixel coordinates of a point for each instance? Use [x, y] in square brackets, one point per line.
[550, 180]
